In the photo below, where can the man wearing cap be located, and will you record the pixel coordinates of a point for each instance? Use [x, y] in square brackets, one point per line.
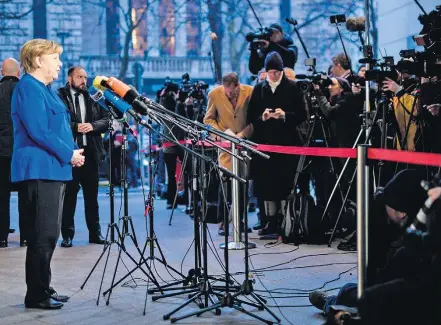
[276, 108]
[278, 42]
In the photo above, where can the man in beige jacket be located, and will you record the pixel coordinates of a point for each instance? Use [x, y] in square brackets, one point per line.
[227, 112]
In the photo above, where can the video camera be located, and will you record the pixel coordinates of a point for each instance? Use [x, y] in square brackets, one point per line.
[263, 33]
[386, 70]
[188, 88]
[321, 79]
[428, 62]
[170, 85]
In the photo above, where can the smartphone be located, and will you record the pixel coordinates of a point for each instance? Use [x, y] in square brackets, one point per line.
[272, 110]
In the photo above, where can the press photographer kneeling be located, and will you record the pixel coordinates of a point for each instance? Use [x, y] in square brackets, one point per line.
[405, 289]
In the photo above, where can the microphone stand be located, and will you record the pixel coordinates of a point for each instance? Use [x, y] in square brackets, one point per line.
[337, 24]
[112, 227]
[295, 29]
[205, 288]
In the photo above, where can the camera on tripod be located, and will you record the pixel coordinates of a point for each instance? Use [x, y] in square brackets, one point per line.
[386, 69]
[428, 62]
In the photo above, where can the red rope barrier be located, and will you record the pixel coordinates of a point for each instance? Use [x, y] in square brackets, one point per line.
[416, 158]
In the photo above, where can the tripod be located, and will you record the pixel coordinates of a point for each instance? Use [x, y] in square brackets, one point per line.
[227, 299]
[127, 227]
[314, 119]
[201, 288]
[151, 240]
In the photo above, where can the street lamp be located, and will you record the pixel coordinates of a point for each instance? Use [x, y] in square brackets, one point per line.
[63, 36]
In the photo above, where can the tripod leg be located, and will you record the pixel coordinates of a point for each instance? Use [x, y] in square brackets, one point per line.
[163, 261]
[264, 306]
[114, 276]
[242, 310]
[339, 179]
[102, 278]
[167, 316]
[341, 210]
[106, 246]
[196, 313]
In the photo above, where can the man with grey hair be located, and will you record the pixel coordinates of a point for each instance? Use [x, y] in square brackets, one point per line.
[10, 71]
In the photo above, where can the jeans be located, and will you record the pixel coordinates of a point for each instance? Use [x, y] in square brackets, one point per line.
[347, 296]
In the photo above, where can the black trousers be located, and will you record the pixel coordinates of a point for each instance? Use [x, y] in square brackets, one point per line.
[170, 162]
[86, 176]
[44, 206]
[5, 197]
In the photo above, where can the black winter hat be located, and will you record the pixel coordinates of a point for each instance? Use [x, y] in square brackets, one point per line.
[344, 84]
[273, 61]
[404, 192]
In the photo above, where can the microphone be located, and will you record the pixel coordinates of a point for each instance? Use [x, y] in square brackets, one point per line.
[124, 91]
[356, 24]
[291, 21]
[99, 97]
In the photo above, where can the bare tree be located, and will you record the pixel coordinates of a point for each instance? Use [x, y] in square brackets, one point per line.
[130, 22]
[10, 14]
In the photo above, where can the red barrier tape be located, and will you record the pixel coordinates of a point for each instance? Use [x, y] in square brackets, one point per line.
[310, 151]
[416, 158]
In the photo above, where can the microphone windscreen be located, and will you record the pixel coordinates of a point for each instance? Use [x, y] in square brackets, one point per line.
[118, 87]
[100, 82]
[355, 24]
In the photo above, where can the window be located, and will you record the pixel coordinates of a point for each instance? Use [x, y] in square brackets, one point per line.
[193, 27]
[167, 25]
[139, 34]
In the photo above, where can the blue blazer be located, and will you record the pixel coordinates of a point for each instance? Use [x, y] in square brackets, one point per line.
[43, 141]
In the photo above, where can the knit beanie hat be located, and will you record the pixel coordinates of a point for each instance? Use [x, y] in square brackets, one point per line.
[404, 192]
[344, 84]
[273, 61]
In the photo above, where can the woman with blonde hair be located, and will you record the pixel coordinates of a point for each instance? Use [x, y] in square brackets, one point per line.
[43, 155]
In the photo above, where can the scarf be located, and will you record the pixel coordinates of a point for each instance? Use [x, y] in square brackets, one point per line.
[275, 84]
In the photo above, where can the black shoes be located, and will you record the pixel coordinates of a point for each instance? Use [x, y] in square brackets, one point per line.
[60, 298]
[318, 299]
[47, 303]
[23, 243]
[66, 242]
[97, 239]
[3, 243]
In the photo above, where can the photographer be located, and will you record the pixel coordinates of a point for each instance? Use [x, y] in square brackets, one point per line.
[277, 42]
[341, 108]
[406, 109]
[391, 212]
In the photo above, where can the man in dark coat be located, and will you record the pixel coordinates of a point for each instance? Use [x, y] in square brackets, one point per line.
[279, 43]
[276, 107]
[10, 72]
[88, 122]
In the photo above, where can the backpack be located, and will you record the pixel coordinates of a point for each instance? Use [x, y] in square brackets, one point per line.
[302, 221]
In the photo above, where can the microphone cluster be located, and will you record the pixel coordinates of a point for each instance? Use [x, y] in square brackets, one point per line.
[119, 98]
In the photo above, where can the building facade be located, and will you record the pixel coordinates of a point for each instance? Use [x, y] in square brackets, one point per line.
[171, 37]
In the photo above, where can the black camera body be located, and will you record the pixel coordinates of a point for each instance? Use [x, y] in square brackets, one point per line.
[428, 62]
[189, 88]
[197, 91]
[170, 86]
[263, 33]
